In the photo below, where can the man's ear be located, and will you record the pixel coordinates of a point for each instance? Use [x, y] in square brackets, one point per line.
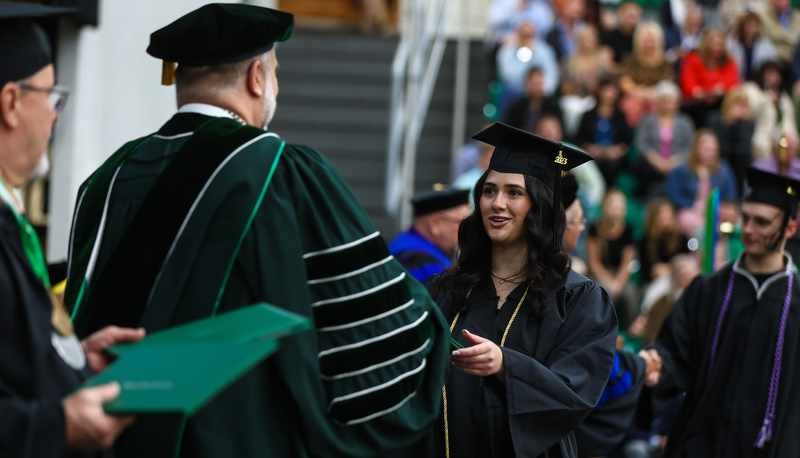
[256, 76]
[791, 228]
[9, 105]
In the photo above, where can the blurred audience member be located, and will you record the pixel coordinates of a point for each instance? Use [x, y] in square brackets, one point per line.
[784, 160]
[504, 17]
[748, 47]
[681, 37]
[734, 128]
[642, 70]
[620, 40]
[589, 64]
[662, 239]
[683, 269]
[662, 140]
[794, 68]
[772, 107]
[468, 179]
[375, 17]
[605, 134]
[690, 184]
[710, 13]
[732, 10]
[468, 156]
[706, 74]
[781, 24]
[611, 250]
[592, 185]
[518, 55]
[428, 247]
[575, 221]
[563, 37]
[525, 112]
[582, 72]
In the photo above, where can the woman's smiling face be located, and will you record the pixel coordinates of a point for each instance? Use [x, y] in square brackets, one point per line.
[504, 204]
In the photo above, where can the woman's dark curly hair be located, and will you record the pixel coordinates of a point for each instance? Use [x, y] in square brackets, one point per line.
[546, 266]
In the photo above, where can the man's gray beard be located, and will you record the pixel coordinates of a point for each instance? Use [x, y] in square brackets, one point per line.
[42, 168]
[270, 104]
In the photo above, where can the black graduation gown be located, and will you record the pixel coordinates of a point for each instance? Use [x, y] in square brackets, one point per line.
[555, 371]
[606, 425]
[723, 412]
[33, 378]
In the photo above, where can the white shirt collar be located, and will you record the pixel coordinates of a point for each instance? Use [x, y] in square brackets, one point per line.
[205, 109]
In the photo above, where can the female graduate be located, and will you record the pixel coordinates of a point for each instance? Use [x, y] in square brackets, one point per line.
[538, 338]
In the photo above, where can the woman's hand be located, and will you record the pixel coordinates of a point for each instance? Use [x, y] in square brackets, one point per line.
[483, 358]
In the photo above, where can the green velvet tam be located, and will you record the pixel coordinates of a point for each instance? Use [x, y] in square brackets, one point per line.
[220, 33]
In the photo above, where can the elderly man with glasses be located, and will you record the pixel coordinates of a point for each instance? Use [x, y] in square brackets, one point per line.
[41, 360]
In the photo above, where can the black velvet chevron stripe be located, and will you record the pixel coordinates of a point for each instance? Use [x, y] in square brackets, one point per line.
[377, 401]
[382, 300]
[346, 361]
[344, 261]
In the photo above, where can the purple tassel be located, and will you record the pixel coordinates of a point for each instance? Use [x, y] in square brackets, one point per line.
[765, 435]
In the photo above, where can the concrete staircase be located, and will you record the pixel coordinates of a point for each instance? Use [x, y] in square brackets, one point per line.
[334, 95]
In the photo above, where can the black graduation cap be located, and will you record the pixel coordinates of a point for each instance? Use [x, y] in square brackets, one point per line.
[219, 33]
[518, 151]
[24, 47]
[773, 189]
[435, 200]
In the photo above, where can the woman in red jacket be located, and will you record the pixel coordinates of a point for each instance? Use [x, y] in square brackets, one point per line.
[707, 73]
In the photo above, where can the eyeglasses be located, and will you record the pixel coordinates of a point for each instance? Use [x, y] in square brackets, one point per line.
[581, 223]
[56, 95]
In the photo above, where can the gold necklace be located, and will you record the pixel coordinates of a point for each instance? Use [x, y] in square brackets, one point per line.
[507, 279]
[444, 388]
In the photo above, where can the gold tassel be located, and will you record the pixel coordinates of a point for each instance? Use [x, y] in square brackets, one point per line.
[167, 73]
[60, 318]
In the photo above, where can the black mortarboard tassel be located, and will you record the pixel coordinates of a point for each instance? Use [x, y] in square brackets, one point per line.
[772, 189]
[518, 151]
[24, 47]
[220, 33]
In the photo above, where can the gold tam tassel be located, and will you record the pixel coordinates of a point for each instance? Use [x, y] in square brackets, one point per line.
[167, 73]
[60, 318]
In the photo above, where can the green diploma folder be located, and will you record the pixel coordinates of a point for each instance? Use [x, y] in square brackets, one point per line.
[182, 368]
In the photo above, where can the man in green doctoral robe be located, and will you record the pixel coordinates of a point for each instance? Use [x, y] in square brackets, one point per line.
[212, 213]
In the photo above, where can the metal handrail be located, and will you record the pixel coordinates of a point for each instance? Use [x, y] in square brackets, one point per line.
[414, 69]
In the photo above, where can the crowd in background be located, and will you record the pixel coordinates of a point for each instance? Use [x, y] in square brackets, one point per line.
[673, 98]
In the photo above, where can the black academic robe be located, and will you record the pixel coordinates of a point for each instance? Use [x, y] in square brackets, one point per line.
[723, 413]
[555, 371]
[606, 425]
[367, 378]
[33, 377]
